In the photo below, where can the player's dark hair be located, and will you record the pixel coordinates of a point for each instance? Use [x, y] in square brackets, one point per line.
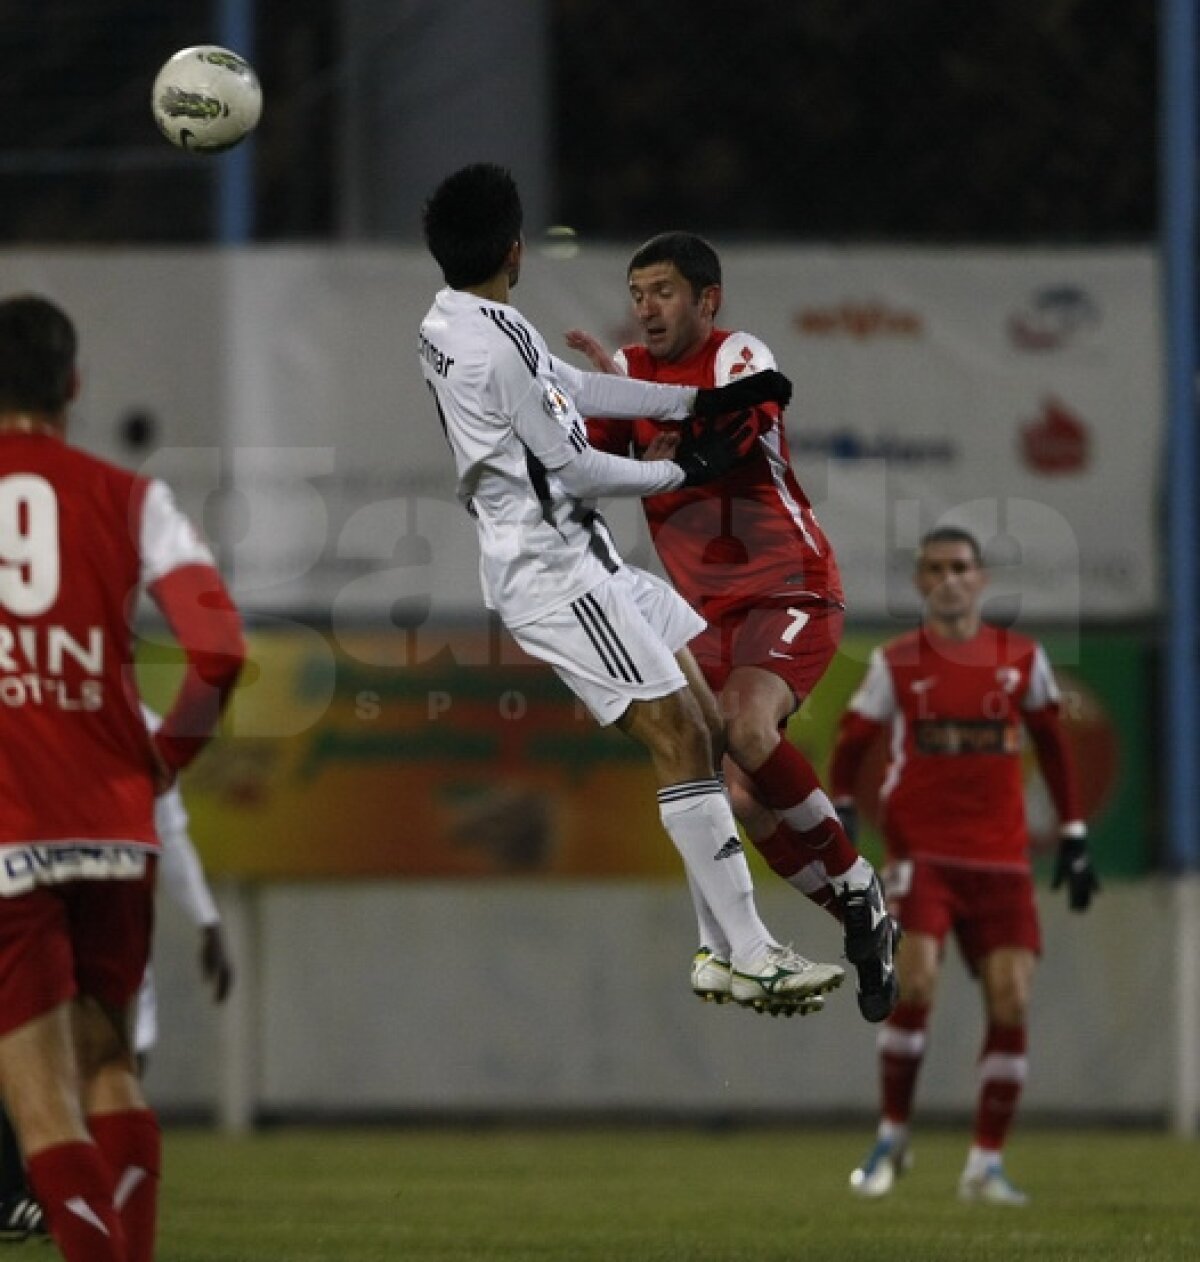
[697, 261]
[471, 221]
[37, 355]
[952, 534]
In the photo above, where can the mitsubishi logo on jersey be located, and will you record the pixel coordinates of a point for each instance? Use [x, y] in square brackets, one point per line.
[747, 363]
[1008, 677]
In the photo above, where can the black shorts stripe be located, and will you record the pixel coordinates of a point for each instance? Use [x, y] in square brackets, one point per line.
[598, 644]
[605, 640]
[611, 637]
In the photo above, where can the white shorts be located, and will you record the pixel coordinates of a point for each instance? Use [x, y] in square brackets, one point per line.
[617, 643]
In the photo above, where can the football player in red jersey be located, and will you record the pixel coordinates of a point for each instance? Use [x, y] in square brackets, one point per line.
[953, 697]
[79, 540]
[749, 555]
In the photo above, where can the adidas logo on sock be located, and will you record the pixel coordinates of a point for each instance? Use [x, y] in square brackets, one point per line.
[729, 849]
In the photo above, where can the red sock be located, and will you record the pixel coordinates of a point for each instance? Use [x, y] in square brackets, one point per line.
[132, 1146]
[74, 1188]
[785, 782]
[1002, 1066]
[901, 1045]
[784, 857]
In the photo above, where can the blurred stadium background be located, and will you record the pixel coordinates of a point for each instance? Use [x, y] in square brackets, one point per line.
[448, 895]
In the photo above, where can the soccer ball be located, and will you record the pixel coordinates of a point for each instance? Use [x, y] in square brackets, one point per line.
[206, 99]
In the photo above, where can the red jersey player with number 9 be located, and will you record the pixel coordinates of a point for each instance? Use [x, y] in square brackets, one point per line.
[79, 540]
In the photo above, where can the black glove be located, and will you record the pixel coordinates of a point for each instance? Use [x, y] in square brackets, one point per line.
[768, 386]
[1073, 865]
[707, 454]
[214, 962]
[847, 814]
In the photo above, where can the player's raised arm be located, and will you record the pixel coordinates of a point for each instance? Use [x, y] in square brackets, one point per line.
[551, 429]
[594, 350]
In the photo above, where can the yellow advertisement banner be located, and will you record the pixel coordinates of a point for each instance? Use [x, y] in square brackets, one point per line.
[368, 753]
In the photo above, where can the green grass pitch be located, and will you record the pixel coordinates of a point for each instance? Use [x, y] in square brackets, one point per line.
[661, 1195]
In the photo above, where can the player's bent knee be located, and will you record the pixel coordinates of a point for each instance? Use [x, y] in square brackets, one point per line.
[750, 742]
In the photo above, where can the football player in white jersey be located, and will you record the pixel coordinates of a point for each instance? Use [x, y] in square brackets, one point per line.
[614, 634]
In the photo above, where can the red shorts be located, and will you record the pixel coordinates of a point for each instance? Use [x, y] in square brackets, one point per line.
[987, 908]
[794, 641]
[80, 938]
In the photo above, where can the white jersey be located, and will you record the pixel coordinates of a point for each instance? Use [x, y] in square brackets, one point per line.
[511, 413]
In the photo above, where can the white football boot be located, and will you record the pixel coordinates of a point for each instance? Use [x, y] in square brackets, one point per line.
[882, 1166]
[990, 1187]
[782, 977]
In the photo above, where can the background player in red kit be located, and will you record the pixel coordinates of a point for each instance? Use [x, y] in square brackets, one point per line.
[79, 540]
[953, 696]
[749, 555]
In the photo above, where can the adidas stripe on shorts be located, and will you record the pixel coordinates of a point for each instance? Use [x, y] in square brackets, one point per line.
[617, 643]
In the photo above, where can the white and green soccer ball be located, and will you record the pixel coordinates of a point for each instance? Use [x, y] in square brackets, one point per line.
[206, 99]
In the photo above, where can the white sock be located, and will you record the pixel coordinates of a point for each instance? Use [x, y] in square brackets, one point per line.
[711, 934]
[857, 876]
[980, 1161]
[808, 812]
[698, 820]
[811, 878]
[897, 1131]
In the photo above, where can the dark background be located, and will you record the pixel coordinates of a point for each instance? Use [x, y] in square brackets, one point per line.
[864, 120]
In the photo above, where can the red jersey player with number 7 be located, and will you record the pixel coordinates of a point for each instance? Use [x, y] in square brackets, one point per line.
[747, 552]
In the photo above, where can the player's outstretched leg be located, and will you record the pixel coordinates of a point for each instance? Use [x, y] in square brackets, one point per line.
[787, 783]
[764, 975]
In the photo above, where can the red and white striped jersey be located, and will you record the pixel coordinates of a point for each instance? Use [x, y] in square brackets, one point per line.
[79, 541]
[749, 538]
[953, 713]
